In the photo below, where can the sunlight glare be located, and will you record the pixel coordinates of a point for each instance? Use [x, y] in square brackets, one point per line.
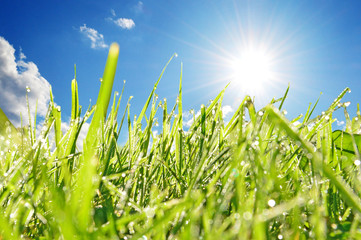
[252, 70]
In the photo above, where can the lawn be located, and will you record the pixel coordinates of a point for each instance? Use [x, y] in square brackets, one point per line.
[257, 176]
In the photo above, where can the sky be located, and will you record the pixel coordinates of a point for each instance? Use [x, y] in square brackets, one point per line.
[259, 47]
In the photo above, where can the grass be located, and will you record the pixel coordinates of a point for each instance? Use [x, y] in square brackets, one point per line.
[258, 176]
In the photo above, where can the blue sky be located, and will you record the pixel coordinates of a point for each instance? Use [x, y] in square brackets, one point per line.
[315, 46]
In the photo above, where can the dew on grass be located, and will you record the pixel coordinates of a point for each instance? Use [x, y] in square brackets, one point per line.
[280, 236]
[271, 203]
[58, 108]
[260, 113]
[247, 216]
[28, 89]
[346, 104]
[101, 79]
[357, 162]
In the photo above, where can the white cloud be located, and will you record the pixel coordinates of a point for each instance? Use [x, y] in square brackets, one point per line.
[226, 110]
[340, 123]
[83, 132]
[189, 122]
[125, 23]
[97, 39]
[64, 129]
[15, 78]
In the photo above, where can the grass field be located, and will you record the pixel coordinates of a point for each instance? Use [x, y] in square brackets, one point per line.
[258, 176]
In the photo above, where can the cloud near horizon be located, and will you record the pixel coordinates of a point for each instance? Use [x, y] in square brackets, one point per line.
[18, 78]
[96, 38]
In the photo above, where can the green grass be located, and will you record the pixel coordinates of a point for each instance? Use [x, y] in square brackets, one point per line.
[257, 176]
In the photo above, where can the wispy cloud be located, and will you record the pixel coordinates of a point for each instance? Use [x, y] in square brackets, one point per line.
[18, 78]
[139, 7]
[112, 12]
[97, 39]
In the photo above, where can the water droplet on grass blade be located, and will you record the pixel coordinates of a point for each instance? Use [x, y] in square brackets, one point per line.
[271, 203]
[247, 216]
[346, 104]
[357, 162]
[28, 89]
[101, 79]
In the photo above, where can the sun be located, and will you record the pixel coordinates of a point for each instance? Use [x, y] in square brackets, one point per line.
[251, 69]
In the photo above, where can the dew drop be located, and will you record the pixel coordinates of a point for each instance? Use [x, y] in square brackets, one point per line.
[176, 54]
[101, 79]
[357, 162]
[346, 104]
[247, 216]
[271, 203]
[28, 89]
[334, 226]
[280, 236]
